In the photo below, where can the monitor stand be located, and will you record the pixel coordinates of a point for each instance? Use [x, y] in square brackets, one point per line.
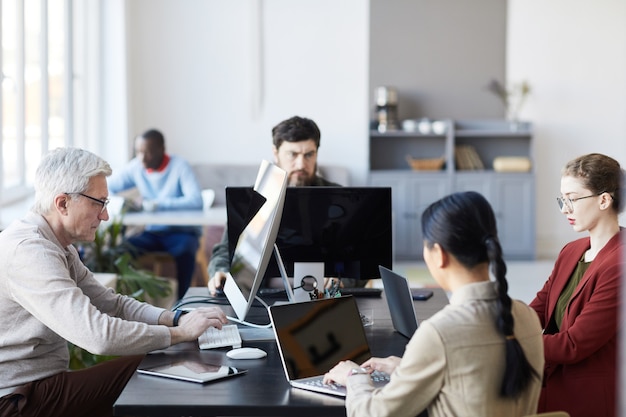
[308, 268]
[251, 334]
[283, 274]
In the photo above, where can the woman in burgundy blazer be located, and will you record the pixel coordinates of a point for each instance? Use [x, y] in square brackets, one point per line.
[578, 305]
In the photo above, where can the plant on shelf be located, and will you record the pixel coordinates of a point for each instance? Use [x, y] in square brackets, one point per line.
[513, 97]
[107, 254]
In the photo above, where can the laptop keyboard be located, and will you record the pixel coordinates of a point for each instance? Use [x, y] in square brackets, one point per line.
[378, 378]
[319, 383]
[215, 338]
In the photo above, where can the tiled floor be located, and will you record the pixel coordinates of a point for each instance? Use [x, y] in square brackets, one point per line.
[525, 277]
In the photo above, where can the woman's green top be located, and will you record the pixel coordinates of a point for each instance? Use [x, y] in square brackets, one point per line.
[566, 295]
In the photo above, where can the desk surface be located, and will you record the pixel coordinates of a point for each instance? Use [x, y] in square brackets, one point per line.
[215, 216]
[264, 390]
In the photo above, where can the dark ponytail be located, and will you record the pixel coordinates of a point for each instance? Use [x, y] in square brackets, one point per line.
[464, 225]
[517, 372]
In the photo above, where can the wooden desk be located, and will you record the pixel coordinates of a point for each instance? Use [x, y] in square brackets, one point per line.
[264, 390]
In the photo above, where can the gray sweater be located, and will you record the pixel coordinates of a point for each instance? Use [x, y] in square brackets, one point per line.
[48, 297]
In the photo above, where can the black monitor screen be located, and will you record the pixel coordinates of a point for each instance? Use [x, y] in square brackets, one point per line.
[347, 228]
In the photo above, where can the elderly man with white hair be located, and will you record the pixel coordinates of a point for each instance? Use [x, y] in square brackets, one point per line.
[48, 297]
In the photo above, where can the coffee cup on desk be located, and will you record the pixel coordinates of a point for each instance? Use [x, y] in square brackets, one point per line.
[208, 196]
[149, 205]
[116, 205]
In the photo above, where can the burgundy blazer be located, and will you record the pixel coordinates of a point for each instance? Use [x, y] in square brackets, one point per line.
[581, 359]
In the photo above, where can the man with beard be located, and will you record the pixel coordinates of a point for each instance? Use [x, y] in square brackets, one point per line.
[295, 144]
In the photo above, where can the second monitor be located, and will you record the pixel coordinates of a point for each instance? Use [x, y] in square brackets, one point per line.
[348, 229]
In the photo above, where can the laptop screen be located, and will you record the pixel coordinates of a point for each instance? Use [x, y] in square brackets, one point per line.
[313, 336]
[400, 302]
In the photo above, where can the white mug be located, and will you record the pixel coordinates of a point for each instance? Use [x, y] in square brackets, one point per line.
[208, 196]
[149, 205]
[116, 205]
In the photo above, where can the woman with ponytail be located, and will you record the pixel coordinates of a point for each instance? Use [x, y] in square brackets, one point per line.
[481, 355]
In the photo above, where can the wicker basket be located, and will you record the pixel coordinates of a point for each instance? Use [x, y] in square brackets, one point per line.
[433, 164]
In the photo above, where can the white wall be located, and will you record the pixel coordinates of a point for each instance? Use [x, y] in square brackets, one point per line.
[573, 52]
[216, 76]
[193, 74]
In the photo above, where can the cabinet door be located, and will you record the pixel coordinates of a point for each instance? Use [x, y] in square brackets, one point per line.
[511, 196]
[514, 204]
[398, 202]
[474, 181]
[410, 195]
[422, 192]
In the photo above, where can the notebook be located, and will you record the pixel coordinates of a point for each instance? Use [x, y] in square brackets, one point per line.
[313, 336]
[191, 370]
[400, 302]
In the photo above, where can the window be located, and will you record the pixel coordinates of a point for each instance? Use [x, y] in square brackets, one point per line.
[36, 94]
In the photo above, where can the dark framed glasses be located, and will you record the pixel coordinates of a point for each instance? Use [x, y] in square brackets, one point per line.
[104, 203]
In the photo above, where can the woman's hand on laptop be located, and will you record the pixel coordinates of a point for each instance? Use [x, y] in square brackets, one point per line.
[386, 365]
[192, 325]
[339, 374]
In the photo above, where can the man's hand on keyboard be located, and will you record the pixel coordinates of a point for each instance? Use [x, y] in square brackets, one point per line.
[192, 325]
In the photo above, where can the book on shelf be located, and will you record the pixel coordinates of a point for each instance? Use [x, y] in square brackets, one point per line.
[467, 158]
[462, 161]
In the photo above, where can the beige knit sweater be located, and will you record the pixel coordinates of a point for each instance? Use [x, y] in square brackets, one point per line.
[48, 297]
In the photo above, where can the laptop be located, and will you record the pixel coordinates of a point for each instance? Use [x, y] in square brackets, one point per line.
[400, 302]
[313, 336]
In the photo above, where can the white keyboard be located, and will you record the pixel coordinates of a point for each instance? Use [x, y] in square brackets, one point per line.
[214, 338]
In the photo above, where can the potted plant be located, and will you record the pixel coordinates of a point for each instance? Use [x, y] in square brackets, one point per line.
[513, 98]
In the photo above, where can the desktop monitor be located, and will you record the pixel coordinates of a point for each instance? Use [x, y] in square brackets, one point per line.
[348, 229]
[255, 244]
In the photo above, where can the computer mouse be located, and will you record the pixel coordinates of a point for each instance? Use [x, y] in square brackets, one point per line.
[246, 353]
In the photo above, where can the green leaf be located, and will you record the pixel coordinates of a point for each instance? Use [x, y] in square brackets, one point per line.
[135, 282]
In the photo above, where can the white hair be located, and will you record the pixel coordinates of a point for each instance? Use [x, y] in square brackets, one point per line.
[65, 170]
